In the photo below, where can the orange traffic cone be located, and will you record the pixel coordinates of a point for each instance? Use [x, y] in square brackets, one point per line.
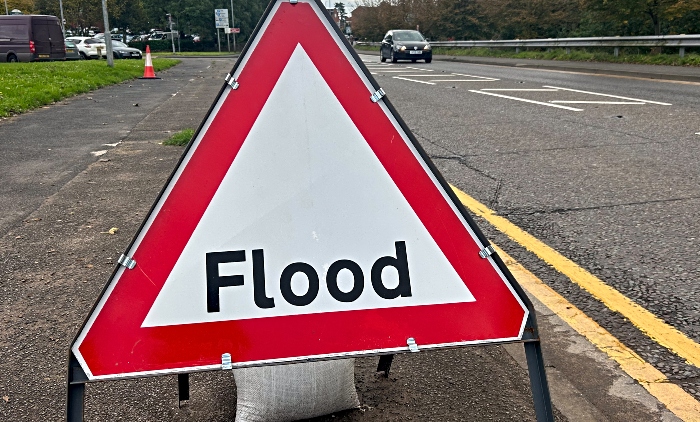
[148, 72]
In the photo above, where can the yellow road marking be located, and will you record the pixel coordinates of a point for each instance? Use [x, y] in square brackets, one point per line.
[674, 397]
[659, 331]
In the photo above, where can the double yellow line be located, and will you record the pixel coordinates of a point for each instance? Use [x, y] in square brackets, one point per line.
[675, 398]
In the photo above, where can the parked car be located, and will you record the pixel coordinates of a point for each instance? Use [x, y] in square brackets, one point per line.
[123, 51]
[89, 47]
[72, 52]
[29, 38]
[404, 44]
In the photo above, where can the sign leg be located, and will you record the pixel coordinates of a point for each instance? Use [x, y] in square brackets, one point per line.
[385, 364]
[183, 388]
[75, 402]
[538, 382]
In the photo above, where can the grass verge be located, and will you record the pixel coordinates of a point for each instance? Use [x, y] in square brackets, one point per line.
[25, 86]
[181, 138]
[691, 59]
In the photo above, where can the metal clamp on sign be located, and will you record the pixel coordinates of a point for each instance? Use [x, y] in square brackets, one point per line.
[378, 95]
[487, 251]
[127, 262]
[231, 82]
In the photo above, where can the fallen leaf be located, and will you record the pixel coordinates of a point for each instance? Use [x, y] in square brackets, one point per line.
[6, 398]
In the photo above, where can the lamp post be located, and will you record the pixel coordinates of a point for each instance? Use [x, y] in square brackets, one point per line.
[172, 36]
[7, 12]
[63, 25]
[108, 35]
[233, 25]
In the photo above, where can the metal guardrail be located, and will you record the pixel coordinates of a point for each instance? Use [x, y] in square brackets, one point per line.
[679, 41]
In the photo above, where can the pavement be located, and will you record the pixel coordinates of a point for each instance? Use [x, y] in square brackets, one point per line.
[57, 253]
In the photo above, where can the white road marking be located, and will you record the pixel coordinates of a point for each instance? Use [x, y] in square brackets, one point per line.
[418, 68]
[596, 102]
[474, 76]
[460, 80]
[396, 71]
[607, 95]
[525, 100]
[520, 89]
[414, 80]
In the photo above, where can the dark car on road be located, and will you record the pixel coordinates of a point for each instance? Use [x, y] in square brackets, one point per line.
[29, 38]
[123, 51]
[405, 44]
[72, 52]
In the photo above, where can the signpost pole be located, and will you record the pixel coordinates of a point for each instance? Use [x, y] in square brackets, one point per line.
[218, 39]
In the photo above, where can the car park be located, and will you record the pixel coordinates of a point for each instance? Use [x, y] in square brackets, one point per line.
[72, 52]
[89, 48]
[123, 51]
[29, 38]
[405, 44]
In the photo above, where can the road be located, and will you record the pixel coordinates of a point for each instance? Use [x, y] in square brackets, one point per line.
[613, 187]
[602, 169]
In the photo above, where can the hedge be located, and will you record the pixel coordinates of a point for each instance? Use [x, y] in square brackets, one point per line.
[185, 45]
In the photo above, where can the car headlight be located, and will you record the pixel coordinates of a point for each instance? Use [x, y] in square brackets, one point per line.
[427, 47]
[402, 48]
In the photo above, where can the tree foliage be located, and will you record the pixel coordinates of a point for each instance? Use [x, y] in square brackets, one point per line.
[190, 16]
[511, 19]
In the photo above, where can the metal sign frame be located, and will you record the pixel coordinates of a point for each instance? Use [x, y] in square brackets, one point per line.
[77, 378]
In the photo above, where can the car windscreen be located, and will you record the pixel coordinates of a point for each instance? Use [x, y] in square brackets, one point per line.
[118, 44]
[70, 44]
[408, 36]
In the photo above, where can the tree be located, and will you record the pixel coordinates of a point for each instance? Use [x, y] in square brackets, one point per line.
[342, 16]
[642, 17]
[460, 20]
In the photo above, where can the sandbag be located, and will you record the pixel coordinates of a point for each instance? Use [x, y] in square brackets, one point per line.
[295, 391]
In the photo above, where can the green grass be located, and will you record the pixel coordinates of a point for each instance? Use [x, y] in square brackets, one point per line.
[690, 59]
[181, 138]
[25, 86]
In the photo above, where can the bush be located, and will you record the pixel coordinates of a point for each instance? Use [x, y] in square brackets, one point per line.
[185, 45]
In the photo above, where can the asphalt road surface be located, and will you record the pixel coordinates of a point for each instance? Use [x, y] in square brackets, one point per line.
[611, 183]
[602, 169]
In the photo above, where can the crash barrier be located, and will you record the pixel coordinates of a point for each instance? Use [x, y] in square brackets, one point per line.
[674, 41]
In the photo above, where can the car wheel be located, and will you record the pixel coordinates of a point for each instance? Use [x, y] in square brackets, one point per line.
[11, 58]
[381, 56]
[428, 60]
[393, 58]
[83, 56]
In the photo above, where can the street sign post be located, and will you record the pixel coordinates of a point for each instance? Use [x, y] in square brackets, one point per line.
[220, 21]
[221, 18]
[312, 226]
